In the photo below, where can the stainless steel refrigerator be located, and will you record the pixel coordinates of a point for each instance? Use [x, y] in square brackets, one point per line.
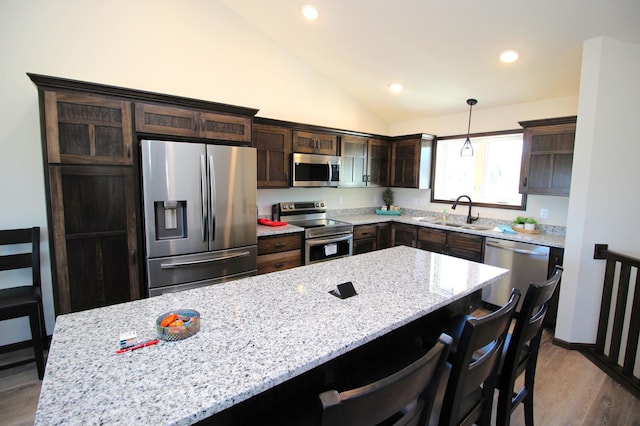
[199, 213]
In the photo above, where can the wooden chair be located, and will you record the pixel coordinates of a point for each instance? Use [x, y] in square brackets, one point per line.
[25, 300]
[402, 398]
[468, 397]
[521, 351]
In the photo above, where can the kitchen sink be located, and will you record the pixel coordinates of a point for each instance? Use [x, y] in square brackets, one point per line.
[476, 227]
[457, 225]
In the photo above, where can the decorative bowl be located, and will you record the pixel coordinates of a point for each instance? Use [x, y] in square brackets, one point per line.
[190, 325]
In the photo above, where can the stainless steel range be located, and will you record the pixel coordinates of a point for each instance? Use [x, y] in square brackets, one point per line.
[325, 239]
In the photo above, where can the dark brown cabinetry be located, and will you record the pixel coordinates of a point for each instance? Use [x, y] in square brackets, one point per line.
[279, 252]
[411, 161]
[403, 235]
[365, 161]
[92, 179]
[383, 237]
[92, 215]
[365, 238]
[547, 156]
[187, 122]
[315, 143]
[378, 153]
[94, 236]
[87, 129]
[273, 145]
[457, 244]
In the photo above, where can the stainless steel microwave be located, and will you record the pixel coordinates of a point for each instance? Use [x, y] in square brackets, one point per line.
[315, 170]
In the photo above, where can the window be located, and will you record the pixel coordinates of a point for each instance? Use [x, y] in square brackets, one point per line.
[491, 177]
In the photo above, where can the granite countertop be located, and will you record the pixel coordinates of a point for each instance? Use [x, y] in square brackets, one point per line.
[551, 236]
[265, 231]
[550, 239]
[256, 333]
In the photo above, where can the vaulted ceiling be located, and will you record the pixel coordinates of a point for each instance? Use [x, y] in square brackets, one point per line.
[443, 51]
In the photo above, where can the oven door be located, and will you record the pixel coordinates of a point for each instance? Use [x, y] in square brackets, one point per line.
[321, 249]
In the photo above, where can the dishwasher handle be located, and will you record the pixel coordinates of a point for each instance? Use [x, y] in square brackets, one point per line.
[513, 249]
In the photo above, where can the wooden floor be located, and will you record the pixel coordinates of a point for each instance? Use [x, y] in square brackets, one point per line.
[570, 390]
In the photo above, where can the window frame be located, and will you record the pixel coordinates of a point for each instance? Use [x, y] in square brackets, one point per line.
[523, 204]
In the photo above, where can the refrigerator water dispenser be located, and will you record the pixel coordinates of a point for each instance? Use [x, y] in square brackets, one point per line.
[171, 219]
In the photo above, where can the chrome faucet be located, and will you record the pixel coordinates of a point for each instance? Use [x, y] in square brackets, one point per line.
[469, 218]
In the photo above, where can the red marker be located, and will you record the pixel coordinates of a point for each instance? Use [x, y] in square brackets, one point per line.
[138, 346]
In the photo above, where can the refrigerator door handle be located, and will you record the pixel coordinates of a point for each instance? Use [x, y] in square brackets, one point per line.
[212, 200]
[203, 196]
[515, 250]
[199, 262]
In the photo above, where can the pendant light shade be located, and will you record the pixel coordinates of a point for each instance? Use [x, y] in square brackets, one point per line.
[467, 148]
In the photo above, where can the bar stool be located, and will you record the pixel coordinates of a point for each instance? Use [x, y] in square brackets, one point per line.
[468, 396]
[521, 351]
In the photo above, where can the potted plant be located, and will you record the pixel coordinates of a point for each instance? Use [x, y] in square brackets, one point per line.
[530, 224]
[519, 221]
[387, 197]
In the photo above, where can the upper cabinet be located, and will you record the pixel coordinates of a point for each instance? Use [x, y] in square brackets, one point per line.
[364, 161]
[187, 122]
[273, 145]
[547, 156]
[87, 129]
[315, 142]
[411, 161]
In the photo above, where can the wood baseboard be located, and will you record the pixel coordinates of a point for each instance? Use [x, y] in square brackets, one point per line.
[573, 346]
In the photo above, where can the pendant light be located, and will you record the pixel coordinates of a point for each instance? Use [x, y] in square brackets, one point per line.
[467, 148]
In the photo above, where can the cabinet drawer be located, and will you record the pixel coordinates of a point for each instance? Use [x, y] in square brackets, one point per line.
[279, 261]
[277, 244]
[435, 236]
[364, 231]
[465, 241]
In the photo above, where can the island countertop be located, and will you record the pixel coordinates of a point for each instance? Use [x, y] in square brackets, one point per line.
[255, 333]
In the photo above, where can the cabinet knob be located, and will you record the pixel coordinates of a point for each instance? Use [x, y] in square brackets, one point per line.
[134, 257]
[524, 183]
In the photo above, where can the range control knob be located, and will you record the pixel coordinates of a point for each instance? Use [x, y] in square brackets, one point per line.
[322, 204]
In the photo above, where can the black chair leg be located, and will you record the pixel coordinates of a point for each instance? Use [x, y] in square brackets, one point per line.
[528, 408]
[43, 328]
[503, 412]
[36, 338]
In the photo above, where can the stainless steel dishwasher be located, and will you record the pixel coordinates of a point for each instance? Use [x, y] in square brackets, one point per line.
[527, 263]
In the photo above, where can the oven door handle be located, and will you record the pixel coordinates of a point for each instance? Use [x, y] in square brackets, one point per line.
[318, 242]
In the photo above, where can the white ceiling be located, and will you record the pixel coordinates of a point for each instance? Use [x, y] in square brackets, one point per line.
[443, 51]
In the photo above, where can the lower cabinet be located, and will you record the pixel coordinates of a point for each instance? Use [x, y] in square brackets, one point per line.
[403, 235]
[93, 224]
[279, 252]
[365, 238]
[383, 237]
[376, 236]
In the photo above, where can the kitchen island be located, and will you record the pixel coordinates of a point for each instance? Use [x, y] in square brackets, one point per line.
[256, 333]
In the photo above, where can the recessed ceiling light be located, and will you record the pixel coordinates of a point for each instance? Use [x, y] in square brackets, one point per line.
[509, 56]
[310, 12]
[396, 87]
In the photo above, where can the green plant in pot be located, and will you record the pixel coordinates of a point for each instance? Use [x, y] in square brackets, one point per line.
[530, 224]
[387, 197]
[519, 221]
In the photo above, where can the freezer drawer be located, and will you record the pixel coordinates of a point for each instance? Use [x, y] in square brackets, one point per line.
[527, 263]
[215, 266]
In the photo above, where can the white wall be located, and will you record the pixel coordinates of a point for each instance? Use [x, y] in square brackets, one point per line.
[196, 49]
[604, 200]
